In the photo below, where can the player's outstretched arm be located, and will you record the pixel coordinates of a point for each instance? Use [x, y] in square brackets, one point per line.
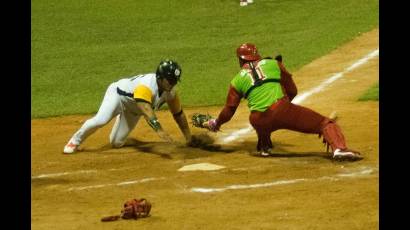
[175, 108]
[152, 120]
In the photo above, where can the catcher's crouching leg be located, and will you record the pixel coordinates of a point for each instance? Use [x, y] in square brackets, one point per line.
[333, 136]
[265, 145]
[261, 123]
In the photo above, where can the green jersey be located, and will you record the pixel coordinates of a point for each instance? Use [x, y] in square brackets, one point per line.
[262, 96]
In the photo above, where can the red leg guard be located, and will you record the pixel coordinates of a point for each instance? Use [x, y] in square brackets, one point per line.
[333, 135]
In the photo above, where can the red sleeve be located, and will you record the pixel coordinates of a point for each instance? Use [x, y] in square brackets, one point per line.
[287, 82]
[232, 102]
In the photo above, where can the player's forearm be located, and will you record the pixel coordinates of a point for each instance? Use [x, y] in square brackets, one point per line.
[152, 121]
[182, 122]
[149, 116]
[225, 115]
[145, 109]
[175, 108]
[232, 102]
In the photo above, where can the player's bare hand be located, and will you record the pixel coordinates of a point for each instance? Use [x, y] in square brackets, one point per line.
[205, 121]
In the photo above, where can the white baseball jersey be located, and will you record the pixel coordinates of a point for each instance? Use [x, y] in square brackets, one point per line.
[142, 88]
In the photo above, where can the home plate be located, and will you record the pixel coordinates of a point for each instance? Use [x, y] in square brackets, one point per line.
[201, 166]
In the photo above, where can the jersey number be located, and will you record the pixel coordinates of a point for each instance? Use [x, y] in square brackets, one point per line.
[260, 74]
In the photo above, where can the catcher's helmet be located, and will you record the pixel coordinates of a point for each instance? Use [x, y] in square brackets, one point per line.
[169, 70]
[248, 52]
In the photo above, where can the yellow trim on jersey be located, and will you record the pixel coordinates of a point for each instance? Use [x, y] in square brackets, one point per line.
[143, 92]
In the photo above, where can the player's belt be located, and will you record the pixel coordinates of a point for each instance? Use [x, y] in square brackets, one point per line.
[263, 82]
[123, 93]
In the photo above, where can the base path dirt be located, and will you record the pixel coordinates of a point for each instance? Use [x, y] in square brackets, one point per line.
[298, 188]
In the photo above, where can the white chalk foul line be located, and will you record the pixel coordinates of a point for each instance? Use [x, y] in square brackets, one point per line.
[363, 172]
[235, 187]
[63, 174]
[235, 135]
[117, 184]
[74, 172]
[302, 97]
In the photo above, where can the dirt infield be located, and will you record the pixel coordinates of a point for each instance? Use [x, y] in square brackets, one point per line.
[299, 188]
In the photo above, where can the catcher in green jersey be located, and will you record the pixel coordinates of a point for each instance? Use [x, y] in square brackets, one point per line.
[269, 89]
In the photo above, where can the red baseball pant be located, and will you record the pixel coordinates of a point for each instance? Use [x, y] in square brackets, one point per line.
[285, 115]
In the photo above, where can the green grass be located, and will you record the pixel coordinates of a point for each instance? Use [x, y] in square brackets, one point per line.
[78, 47]
[371, 94]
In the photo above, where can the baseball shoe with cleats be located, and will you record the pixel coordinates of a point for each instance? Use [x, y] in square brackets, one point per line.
[70, 147]
[346, 155]
[243, 3]
[265, 153]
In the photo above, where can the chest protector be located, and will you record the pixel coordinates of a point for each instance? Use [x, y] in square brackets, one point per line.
[260, 84]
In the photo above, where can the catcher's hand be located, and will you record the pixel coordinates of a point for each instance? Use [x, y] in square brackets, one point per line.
[204, 121]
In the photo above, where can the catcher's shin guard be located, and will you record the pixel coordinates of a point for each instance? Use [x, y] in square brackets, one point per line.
[332, 135]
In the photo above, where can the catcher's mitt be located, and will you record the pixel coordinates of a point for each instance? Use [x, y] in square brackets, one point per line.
[199, 119]
[133, 209]
[136, 209]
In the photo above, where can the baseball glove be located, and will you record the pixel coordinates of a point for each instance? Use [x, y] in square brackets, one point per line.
[199, 120]
[133, 209]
